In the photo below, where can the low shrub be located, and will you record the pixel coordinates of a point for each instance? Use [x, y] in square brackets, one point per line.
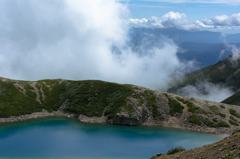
[176, 150]
[233, 123]
[182, 100]
[208, 123]
[140, 102]
[194, 119]
[214, 119]
[165, 94]
[222, 124]
[190, 104]
[232, 118]
[221, 114]
[175, 106]
[193, 109]
[222, 106]
[213, 108]
[196, 109]
[234, 113]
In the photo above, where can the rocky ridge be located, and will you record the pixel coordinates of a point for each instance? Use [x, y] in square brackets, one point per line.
[148, 107]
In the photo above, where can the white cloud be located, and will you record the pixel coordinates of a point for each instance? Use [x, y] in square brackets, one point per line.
[212, 92]
[174, 20]
[224, 20]
[74, 39]
[178, 20]
[231, 2]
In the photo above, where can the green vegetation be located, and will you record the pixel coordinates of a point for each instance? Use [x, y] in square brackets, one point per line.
[214, 119]
[91, 97]
[222, 124]
[182, 100]
[233, 123]
[233, 100]
[175, 150]
[175, 106]
[194, 119]
[165, 94]
[208, 123]
[13, 102]
[232, 118]
[151, 101]
[195, 109]
[223, 72]
[221, 114]
[222, 106]
[212, 124]
[53, 94]
[140, 103]
[234, 113]
[213, 108]
[190, 104]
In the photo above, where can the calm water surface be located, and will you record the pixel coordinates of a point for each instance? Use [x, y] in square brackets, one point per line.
[60, 137]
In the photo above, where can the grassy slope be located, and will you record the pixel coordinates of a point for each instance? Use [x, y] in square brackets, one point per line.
[227, 148]
[89, 97]
[22, 100]
[233, 100]
[84, 97]
[224, 72]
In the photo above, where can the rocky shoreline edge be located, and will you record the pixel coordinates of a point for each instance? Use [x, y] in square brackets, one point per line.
[104, 120]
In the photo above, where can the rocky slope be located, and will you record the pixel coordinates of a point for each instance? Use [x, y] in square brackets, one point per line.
[103, 102]
[228, 148]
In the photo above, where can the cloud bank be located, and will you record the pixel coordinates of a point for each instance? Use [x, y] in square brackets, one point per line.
[207, 91]
[176, 20]
[79, 40]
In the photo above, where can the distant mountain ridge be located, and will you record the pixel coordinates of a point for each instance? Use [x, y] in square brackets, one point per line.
[206, 48]
[181, 36]
[226, 72]
[205, 54]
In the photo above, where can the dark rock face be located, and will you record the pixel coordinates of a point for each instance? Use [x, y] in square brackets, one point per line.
[163, 107]
[142, 113]
[138, 117]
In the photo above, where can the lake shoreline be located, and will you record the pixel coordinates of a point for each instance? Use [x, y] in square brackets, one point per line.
[100, 120]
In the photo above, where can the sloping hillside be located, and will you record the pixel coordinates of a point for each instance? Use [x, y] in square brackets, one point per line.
[228, 148]
[226, 72]
[234, 99]
[103, 102]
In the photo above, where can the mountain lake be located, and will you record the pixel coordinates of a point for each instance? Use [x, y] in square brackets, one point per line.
[68, 138]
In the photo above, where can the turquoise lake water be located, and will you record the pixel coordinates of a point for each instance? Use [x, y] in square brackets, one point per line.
[60, 137]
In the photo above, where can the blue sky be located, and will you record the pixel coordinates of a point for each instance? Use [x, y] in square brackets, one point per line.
[212, 15]
[194, 10]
